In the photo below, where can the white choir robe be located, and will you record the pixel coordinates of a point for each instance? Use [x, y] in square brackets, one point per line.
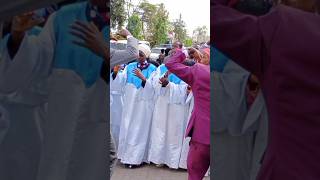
[168, 123]
[4, 123]
[74, 131]
[136, 117]
[186, 141]
[116, 105]
[23, 94]
[257, 118]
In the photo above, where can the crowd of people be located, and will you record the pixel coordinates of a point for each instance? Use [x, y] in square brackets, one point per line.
[151, 108]
[54, 74]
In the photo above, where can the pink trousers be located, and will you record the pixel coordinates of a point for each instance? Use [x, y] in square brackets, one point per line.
[198, 160]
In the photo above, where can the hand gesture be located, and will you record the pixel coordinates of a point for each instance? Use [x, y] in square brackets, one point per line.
[189, 89]
[164, 81]
[90, 37]
[125, 33]
[116, 68]
[139, 74]
[25, 22]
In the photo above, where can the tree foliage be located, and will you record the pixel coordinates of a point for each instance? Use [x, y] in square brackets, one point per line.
[160, 25]
[200, 34]
[135, 26]
[179, 28]
[118, 14]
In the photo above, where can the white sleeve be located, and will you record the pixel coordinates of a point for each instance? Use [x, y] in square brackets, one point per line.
[18, 72]
[178, 93]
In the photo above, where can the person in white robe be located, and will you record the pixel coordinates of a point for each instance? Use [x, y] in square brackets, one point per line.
[168, 122]
[257, 118]
[74, 139]
[23, 94]
[232, 148]
[4, 123]
[186, 141]
[236, 147]
[116, 102]
[137, 110]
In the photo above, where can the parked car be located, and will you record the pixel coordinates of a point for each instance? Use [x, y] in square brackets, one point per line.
[155, 52]
[165, 46]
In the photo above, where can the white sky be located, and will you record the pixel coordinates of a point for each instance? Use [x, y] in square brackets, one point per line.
[194, 13]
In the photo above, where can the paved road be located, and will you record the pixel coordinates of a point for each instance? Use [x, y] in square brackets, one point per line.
[149, 172]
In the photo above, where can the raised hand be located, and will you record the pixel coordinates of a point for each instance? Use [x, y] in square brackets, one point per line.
[25, 22]
[164, 81]
[90, 37]
[116, 68]
[125, 33]
[139, 74]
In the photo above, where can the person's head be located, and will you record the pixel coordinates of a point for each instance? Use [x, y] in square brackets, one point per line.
[191, 52]
[166, 52]
[177, 45]
[101, 4]
[162, 51]
[189, 62]
[205, 56]
[306, 5]
[144, 52]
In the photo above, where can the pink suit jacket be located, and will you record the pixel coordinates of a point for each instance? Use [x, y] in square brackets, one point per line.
[198, 77]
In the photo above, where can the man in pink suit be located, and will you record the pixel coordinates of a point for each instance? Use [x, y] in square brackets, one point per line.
[198, 77]
[282, 49]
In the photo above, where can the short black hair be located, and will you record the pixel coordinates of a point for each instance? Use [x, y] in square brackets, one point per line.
[254, 7]
[189, 62]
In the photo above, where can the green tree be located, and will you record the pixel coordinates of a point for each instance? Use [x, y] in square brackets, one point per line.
[118, 13]
[200, 34]
[147, 12]
[160, 25]
[179, 28]
[135, 26]
[188, 42]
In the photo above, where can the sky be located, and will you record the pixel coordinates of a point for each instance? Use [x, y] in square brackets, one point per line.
[194, 13]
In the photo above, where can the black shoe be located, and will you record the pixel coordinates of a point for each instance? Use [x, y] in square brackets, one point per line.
[130, 166]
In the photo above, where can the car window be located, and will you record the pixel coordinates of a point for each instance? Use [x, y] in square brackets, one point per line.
[157, 51]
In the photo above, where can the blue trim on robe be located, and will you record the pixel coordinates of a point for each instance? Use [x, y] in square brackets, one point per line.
[35, 31]
[73, 57]
[133, 79]
[172, 77]
[218, 60]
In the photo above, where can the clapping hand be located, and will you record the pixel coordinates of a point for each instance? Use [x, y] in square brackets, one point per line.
[164, 81]
[90, 37]
[25, 22]
[139, 74]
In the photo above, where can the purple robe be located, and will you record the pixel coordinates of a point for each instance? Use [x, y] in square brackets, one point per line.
[282, 49]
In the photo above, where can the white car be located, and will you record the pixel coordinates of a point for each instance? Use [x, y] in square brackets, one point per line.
[155, 52]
